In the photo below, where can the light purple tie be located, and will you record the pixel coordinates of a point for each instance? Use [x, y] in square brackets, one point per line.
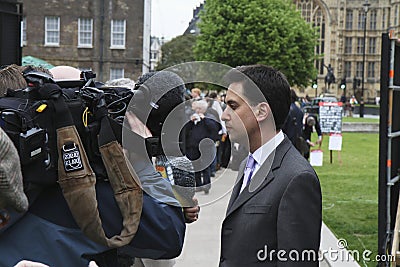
[248, 172]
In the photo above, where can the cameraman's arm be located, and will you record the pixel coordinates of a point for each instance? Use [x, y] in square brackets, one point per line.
[151, 186]
[137, 126]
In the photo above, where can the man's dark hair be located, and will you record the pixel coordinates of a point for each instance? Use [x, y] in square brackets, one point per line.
[213, 95]
[270, 82]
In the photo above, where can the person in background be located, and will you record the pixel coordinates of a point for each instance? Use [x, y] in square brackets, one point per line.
[215, 106]
[276, 202]
[353, 102]
[311, 122]
[196, 94]
[202, 125]
[343, 99]
[293, 126]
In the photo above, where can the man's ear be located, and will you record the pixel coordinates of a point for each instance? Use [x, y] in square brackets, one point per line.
[262, 111]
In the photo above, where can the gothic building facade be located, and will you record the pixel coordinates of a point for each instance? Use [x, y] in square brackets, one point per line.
[350, 40]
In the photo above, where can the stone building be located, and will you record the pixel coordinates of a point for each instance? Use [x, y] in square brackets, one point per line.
[110, 37]
[340, 27]
[192, 27]
[155, 51]
[341, 42]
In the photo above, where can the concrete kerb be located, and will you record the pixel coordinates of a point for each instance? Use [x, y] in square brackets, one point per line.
[360, 127]
[343, 258]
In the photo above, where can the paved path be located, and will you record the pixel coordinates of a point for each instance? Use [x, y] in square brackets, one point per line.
[202, 243]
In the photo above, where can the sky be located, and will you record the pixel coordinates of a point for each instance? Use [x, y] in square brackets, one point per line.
[170, 18]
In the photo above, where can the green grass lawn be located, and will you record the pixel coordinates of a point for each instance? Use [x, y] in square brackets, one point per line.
[350, 191]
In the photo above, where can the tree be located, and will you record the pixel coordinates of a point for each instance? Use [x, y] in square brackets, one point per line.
[271, 32]
[176, 51]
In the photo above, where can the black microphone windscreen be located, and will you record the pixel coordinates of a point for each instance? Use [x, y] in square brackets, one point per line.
[184, 180]
[166, 91]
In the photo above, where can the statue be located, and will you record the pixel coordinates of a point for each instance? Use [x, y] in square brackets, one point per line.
[330, 77]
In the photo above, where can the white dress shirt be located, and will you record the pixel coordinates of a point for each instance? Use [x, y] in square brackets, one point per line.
[262, 153]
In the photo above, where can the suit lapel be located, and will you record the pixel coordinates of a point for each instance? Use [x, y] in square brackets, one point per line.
[238, 184]
[261, 178]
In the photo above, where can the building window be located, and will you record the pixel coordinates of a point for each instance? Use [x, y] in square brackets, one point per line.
[371, 70]
[118, 33]
[23, 31]
[347, 45]
[372, 19]
[396, 14]
[361, 16]
[383, 18]
[359, 68]
[372, 45]
[347, 69]
[85, 32]
[306, 9]
[52, 31]
[116, 73]
[360, 45]
[349, 19]
[312, 13]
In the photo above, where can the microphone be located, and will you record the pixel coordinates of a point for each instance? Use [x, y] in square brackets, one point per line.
[166, 91]
[180, 173]
[184, 180]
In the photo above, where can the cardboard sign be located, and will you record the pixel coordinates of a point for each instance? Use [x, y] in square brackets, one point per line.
[330, 117]
[335, 142]
[316, 157]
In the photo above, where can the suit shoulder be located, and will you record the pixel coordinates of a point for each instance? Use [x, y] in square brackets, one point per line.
[294, 164]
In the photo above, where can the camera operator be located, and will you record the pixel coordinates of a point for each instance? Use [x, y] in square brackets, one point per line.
[51, 228]
[168, 109]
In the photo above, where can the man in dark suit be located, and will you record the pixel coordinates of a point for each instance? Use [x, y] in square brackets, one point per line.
[311, 121]
[293, 126]
[274, 214]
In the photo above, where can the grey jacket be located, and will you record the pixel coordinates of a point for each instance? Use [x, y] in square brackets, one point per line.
[279, 223]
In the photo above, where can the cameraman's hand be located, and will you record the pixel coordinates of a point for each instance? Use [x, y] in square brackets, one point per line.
[192, 213]
[137, 126]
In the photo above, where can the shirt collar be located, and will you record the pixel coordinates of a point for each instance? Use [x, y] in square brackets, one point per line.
[262, 153]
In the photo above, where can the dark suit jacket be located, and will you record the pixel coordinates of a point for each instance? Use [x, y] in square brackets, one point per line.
[307, 131]
[293, 126]
[283, 213]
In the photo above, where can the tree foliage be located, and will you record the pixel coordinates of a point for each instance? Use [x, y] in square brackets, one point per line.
[271, 32]
[176, 51]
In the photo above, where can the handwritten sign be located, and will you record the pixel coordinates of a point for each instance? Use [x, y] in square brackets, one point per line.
[316, 157]
[330, 117]
[335, 142]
